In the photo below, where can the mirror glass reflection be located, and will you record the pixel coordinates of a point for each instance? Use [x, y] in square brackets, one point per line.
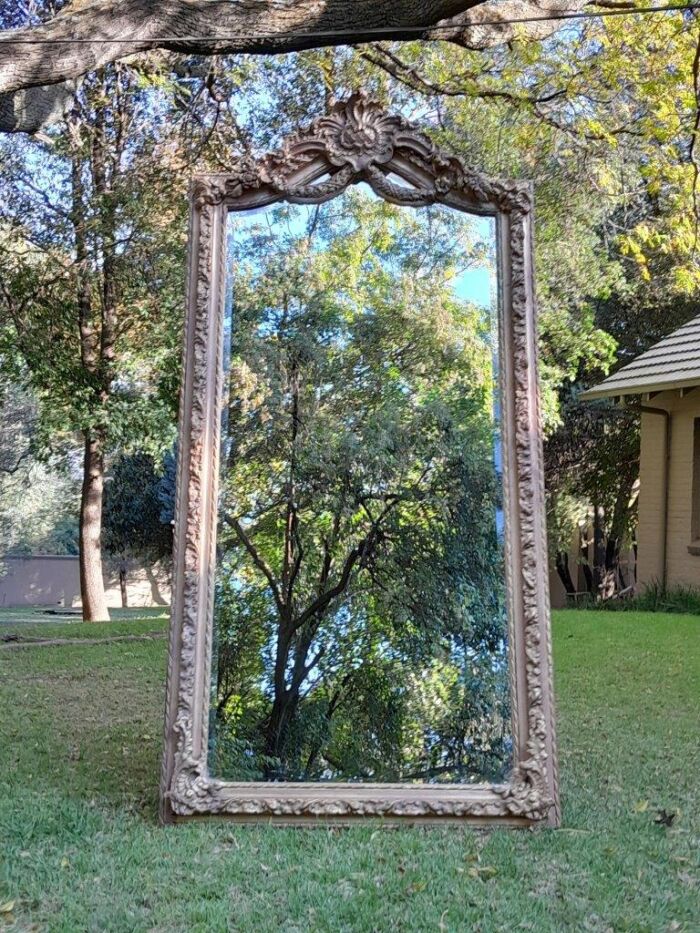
[360, 607]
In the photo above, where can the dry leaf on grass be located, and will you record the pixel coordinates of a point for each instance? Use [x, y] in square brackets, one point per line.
[483, 872]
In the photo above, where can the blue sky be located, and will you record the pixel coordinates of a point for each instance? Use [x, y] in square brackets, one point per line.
[476, 284]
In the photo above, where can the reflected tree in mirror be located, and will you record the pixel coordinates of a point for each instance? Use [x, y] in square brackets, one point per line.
[360, 620]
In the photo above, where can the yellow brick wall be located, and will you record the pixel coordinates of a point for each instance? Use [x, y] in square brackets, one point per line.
[652, 465]
[683, 568]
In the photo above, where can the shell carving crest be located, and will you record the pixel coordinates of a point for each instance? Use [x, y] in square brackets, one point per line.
[358, 133]
[359, 140]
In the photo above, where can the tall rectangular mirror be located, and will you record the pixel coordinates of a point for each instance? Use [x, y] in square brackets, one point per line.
[360, 624]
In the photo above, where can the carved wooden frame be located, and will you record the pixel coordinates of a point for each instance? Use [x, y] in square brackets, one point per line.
[358, 141]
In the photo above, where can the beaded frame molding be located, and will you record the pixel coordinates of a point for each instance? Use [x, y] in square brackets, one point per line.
[359, 141]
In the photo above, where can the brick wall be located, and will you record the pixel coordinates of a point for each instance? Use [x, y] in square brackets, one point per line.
[683, 567]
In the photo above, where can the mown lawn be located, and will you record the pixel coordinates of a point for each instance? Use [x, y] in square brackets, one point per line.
[80, 734]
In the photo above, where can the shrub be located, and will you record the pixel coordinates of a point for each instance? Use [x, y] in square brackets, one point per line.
[655, 598]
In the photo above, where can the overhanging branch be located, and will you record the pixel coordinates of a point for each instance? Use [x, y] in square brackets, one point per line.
[87, 36]
[141, 25]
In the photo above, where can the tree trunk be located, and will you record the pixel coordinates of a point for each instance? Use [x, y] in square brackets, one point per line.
[92, 591]
[97, 357]
[92, 588]
[616, 536]
[122, 584]
[287, 698]
[611, 564]
[562, 564]
[585, 558]
[283, 711]
[599, 573]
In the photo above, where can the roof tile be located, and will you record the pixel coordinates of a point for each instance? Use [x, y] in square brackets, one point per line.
[673, 362]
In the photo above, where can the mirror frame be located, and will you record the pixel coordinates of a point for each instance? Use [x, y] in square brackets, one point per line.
[359, 141]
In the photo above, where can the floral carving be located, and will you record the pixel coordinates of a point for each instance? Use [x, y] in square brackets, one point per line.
[359, 133]
[358, 141]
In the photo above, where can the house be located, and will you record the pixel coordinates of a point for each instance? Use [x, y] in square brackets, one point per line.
[665, 382]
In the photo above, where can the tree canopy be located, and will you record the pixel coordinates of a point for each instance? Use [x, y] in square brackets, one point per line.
[360, 617]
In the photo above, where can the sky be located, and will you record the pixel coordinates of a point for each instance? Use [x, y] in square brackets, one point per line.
[476, 284]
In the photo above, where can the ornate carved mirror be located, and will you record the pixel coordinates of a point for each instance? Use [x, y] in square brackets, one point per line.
[360, 625]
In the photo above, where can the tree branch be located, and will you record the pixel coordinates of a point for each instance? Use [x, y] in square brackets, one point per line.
[388, 61]
[176, 25]
[359, 553]
[257, 559]
[384, 58]
[327, 597]
[33, 76]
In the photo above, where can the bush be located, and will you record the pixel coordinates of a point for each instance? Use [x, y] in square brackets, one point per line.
[655, 598]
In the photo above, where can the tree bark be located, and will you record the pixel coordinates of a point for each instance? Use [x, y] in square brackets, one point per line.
[92, 589]
[562, 565]
[97, 356]
[614, 578]
[283, 711]
[599, 573]
[287, 699]
[122, 584]
[66, 52]
[584, 556]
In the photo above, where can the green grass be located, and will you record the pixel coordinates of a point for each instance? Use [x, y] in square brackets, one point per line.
[31, 623]
[81, 848]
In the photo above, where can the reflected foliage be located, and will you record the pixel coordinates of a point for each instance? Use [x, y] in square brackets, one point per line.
[360, 621]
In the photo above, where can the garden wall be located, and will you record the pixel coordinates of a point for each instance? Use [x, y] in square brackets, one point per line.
[51, 580]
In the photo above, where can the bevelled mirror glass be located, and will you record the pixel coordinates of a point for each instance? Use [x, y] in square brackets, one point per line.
[360, 624]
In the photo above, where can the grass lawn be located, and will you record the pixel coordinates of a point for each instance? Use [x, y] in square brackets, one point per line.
[32, 623]
[80, 733]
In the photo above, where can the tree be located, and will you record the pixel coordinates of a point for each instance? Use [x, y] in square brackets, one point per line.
[96, 267]
[133, 515]
[592, 467]
[609, 135]
[358, 546]
[37, 80]
[38, 497]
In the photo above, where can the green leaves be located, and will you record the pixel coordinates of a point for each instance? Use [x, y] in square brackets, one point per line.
[359, 552]
[93, 272]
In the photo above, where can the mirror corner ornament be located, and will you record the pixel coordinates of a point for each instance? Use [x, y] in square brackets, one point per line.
[357, 141]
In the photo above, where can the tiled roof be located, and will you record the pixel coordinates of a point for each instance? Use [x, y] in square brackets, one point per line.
[672, 363]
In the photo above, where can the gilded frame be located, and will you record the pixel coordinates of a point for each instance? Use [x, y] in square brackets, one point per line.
[358, 141]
